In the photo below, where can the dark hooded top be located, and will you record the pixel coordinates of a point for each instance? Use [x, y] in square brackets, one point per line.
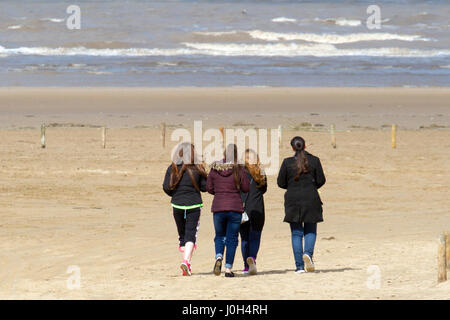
[302, 202]
[220, 183]
[185, 193]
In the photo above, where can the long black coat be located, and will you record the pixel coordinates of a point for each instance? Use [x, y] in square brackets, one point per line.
[254, 203]
[302, 202]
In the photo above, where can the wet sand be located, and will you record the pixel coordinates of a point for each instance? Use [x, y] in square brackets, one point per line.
[348, 108]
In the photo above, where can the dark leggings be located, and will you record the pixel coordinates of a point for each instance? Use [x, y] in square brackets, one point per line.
[187, 227]
[250, 241]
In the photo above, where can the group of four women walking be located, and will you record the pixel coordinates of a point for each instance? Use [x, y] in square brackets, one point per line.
[238, 204]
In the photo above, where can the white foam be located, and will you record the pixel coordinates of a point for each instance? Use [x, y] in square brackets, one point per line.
[325, 38]
[77, 65]
[317, 50]
[231, 49]
[238, 49]
[99, 73]
[167, 64]
[283, 19]
[81, 51]
[331, 38]
[216, 33]
[339, 21]
[15, 27]
[57, 20]
[347, 22]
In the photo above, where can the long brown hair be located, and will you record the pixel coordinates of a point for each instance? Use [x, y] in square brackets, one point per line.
[231, 155]
[301, 162]
[254, 168]
[185, 155]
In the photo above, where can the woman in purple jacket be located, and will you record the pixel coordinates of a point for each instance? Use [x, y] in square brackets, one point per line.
[226, 180]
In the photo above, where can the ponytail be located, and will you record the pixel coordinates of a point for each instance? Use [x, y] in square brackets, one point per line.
[301, 161]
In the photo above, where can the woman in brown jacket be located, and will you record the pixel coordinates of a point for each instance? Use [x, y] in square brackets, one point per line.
[226, 180]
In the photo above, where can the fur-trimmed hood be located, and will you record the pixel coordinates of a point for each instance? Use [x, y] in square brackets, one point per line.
[222, 185]
[223, 168]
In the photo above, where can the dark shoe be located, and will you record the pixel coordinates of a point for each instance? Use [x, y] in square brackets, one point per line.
[217, 266]
[229, 274]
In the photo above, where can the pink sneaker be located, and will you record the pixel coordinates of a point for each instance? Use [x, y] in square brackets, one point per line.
[245, 271]
[186, 267]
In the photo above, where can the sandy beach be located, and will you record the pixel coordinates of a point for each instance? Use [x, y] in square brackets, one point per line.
[104, 211]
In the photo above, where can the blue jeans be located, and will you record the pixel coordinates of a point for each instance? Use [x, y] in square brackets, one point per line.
[298, 232]
[250, 241]
[227, 224]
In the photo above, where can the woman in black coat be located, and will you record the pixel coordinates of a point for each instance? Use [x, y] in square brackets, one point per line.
[254, 207]
[302, 175]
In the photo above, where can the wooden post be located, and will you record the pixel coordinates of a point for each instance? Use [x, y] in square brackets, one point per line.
[333, 136]
[104, 137]
[43, 135]
[280, 132]
[223, 136]
[163, 134]
[394, 136]
[447, 250]
[442, 268]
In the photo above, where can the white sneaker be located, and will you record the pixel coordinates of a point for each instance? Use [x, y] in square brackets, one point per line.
[300, 271]
[309, 265]
[218, 266]
[251, 266]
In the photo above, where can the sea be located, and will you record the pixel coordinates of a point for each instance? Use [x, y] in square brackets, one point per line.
[321, 43]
